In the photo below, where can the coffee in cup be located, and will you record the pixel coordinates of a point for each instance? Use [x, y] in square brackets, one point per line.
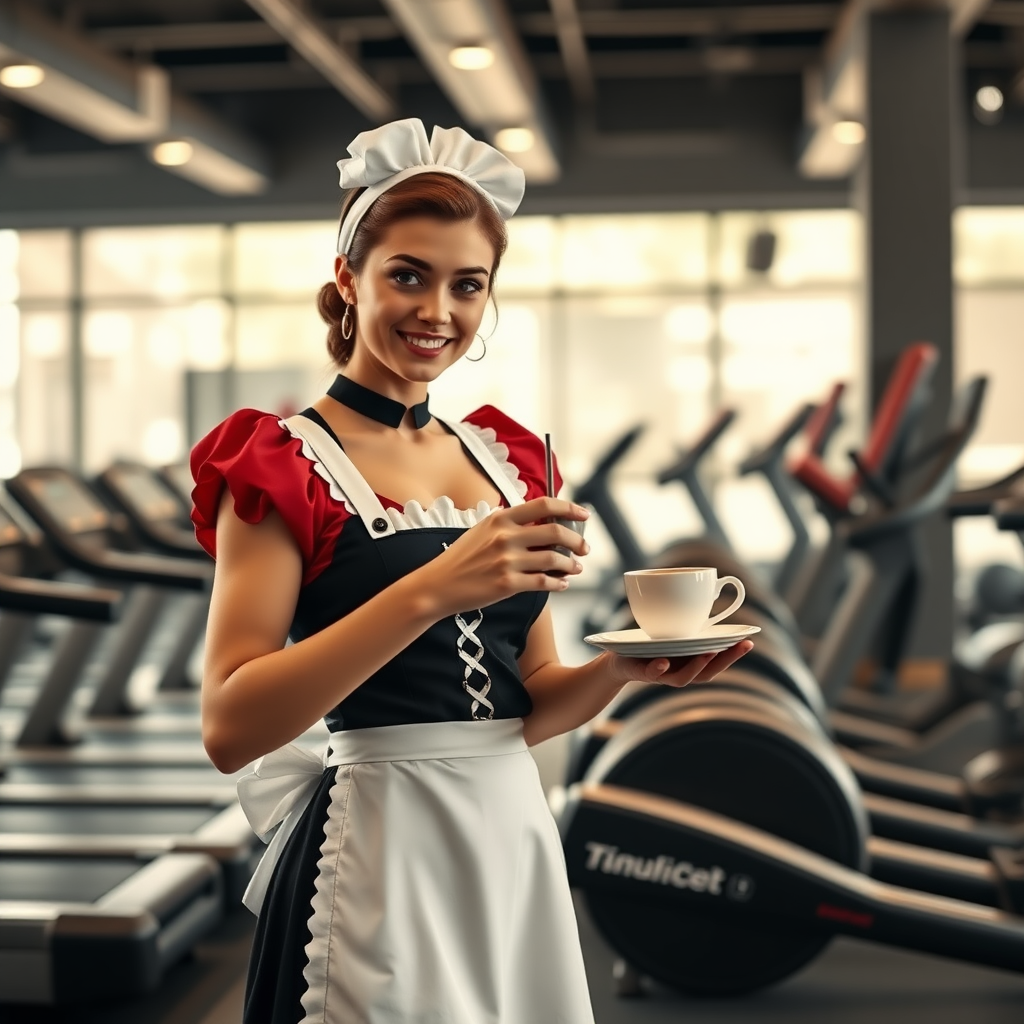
[673, 603]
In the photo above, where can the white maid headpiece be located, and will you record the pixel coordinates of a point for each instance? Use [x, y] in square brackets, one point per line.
[384, 156]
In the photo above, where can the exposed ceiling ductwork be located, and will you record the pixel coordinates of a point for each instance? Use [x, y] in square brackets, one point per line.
[500, 96]
[835, 92]
[116, 101]
[294, 25]
[98, 94]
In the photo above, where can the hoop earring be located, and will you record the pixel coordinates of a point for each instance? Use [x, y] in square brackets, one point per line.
[347, 326]
[483, 341]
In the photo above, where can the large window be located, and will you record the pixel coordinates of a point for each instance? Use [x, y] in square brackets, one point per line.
[604, 321]
[989, 268]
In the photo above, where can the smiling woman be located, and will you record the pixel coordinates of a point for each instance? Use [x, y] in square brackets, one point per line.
[433, 197]
[414, 872]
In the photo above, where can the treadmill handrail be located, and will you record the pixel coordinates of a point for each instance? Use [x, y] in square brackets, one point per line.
[26, 596]
[773, 451]
[692, 457]
[1009, 513]
[979, 500]
[911, 374]
[827, 417]
[596, 492]
[934, 491]
[598, 479]
[159, 570]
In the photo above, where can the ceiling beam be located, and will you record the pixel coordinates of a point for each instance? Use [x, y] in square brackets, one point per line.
[682, 22]
[314, 43]
[259, 76]
[693, 21]
[573, 47]
[228, 35]
[503, 94]
[1004, 12]
[118, 101]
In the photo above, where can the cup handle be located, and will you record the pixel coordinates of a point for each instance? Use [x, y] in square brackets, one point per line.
[741, 596]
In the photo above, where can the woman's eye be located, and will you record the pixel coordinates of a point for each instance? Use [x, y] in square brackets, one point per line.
[406, 277]
[469, 286]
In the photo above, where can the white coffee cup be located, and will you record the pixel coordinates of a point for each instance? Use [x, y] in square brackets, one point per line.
[673, 603]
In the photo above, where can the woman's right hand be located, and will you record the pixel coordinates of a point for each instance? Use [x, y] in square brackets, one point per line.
[505, 554]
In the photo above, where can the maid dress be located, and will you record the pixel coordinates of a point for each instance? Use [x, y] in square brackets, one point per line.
[414, 874]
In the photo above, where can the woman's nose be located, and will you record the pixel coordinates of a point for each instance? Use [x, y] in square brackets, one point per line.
[434, 308]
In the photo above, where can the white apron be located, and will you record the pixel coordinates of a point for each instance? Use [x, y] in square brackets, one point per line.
[436, 883]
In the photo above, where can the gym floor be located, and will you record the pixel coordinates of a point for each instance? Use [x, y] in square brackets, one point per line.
[850, 983]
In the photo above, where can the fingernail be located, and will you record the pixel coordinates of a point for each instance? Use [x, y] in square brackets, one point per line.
[577, 565]
[582, 511]
[586, 548]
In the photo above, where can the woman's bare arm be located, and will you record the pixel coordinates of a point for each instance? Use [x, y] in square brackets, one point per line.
[258, 694]
[565, 698]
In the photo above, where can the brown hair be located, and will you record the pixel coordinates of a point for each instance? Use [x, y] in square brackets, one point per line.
[431, 194]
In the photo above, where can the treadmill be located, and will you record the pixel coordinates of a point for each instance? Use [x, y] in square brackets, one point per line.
[123, 814]
[85, 924]
[162, 526]
[47, 751]
[82, 533]
[178, 477]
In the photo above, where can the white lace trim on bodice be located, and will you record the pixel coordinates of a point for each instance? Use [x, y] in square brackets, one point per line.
[441, 512]
[320, 469]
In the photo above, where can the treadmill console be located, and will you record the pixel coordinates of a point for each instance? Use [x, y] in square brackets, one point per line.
[179, 476]
[12, 545]
[10, 531]
[148, 495]
[67, 500]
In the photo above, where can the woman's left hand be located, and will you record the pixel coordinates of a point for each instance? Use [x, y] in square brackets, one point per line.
[700, 668]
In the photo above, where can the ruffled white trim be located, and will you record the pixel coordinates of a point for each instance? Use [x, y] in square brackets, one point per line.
[321, 471]
[500, 453]
[317, 972]
[440, 512]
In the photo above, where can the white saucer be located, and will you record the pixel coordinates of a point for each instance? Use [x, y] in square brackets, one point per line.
[635, 643]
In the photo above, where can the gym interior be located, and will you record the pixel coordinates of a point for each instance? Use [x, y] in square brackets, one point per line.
[766, 294]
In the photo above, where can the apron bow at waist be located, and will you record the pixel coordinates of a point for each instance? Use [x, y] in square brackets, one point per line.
[274, 796]
[276, 793]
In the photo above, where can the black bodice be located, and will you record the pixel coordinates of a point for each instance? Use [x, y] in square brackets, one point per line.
[444, 674]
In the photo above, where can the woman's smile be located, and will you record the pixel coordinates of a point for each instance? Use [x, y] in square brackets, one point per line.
[424, 345]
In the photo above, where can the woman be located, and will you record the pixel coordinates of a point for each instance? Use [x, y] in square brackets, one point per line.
[415, 874]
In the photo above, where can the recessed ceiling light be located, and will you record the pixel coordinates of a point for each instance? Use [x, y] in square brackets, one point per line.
[514, 140]
[173, 153]
[849, 133]
[989, 98]
[471, 58]
[21, 76]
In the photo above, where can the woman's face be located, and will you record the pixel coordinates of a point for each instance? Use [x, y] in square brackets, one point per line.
[419, 298]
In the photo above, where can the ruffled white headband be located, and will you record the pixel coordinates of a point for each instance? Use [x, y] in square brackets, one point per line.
[384, 156]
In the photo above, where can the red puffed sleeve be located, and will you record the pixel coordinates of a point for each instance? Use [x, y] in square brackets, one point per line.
[263, 467]
[525, 449]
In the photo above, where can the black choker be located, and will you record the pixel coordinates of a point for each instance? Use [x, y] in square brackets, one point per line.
[375, 406]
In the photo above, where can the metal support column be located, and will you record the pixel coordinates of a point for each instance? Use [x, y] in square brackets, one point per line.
[905, 187]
